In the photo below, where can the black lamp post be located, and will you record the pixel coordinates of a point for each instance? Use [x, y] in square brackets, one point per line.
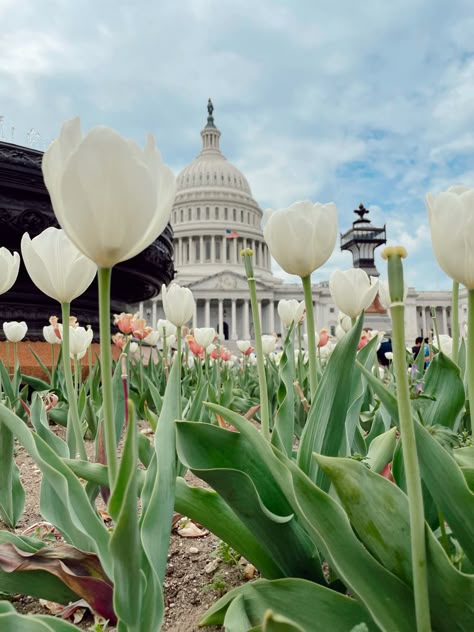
[362, 240]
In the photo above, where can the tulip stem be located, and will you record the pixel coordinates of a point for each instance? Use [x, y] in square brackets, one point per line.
[52, 365]
[262, 379]
[455, 321]
[470, 353]
[308, 299]
[410, 457]
[75, 438]
[15, 358]
[104, 277]
[179, 360]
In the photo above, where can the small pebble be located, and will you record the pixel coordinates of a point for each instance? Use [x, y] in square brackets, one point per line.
[193, 550]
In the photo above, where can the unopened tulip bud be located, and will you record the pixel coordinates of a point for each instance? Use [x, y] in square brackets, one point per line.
[15, 331]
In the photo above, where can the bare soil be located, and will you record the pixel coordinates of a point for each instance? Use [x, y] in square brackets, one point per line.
[196, 577]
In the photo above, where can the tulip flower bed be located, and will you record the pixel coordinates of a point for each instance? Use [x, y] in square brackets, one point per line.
[347, 487]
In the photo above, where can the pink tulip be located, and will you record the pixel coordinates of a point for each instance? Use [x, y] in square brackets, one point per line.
[323, 338]
[124, 322]
[120, 340]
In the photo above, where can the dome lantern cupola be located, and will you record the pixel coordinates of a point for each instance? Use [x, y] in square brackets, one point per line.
[210, 134]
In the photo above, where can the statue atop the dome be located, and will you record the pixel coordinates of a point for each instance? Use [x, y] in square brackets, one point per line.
[210, 107]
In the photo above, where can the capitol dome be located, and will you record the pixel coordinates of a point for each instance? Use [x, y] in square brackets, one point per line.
[214, 215]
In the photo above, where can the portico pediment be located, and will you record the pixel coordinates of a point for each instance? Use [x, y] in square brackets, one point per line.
[225, 281]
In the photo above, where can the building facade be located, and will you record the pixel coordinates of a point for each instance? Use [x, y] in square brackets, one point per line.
[215, 216]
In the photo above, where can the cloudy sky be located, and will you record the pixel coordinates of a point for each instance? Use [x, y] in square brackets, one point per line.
[332, 100]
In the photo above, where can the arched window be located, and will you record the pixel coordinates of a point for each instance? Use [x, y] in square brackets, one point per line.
[198, 213]
[207, 249]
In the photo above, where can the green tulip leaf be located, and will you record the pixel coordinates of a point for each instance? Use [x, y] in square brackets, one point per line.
[63, 500]
[378, 511]
[447, 485]
[444, 386]
[358, 391]
[325, 427]
[241, 475]
[125, 540]
[12, 621]
[309, 606]
[209, 509]
[276, 623]
[284, 425]
[158, 498]
[381, 450]
[12, 494]
[385, 596]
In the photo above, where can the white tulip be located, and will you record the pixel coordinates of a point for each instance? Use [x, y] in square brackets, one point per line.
[112, 198]
[326, 351]
[301, 238]
[9, 266]
[291, 311]
[152, 338]
[451, 217]
[389, 355]
[344, 321]
[79, 340]
[56, 266]
[171, 340]
[204, 336]
[178, 303]
[340, 332]
[164, 326]
[133, 347]
[268, 344]
[50, 335]
[352, 290]
[15, 331]
[243, 345]
[210, 348]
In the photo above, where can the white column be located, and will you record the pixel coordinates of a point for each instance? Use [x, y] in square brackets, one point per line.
[444, 312]
[213, 249]
[140, 309]
[246, 319]
[223, 251]
[234, 320]
[207, 312]
[236, 254]
[271, 307]
[201, 250]
[425, 328]
[153, 314]
[221, 318]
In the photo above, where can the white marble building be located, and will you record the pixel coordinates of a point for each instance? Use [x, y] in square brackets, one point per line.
[214, 216]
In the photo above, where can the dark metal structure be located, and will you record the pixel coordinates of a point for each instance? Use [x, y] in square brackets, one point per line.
[362, 240]
[25, 207]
